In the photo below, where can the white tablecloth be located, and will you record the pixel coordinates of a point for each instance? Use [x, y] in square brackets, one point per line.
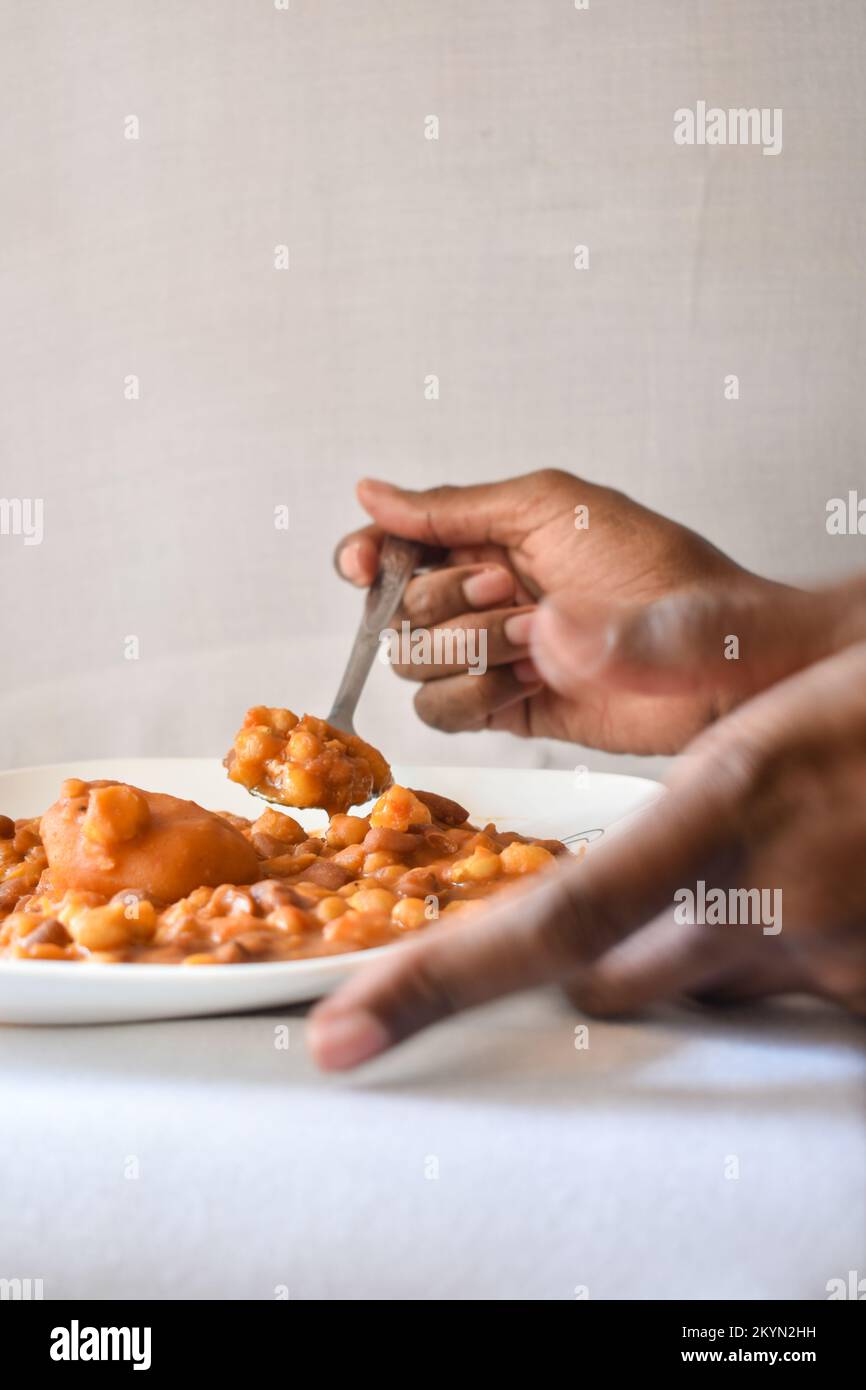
[488, 1159]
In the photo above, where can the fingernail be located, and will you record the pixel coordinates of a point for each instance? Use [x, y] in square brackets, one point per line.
[518, 628]
[588, 648]
[378, 483]
[527, 672]
[346, 1040]
[350, 562]
[584, 641]
[489, 586]
[566, 652]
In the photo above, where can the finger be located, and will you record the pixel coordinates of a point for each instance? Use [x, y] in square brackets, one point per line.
[835, 964]
[757, 980]
[356, 556]
[492, 513]
[538, 934]
[439, 594]
[464, 703]
[735, 640]
[662, 960]
[471, 643]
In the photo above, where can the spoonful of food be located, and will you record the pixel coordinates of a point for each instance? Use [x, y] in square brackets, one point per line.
[323, 763]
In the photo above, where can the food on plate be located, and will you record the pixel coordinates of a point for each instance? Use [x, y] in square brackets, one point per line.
[304, 762]
[102, 837]
[113, 873]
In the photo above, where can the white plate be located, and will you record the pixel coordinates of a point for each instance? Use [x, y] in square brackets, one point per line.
[548, 804]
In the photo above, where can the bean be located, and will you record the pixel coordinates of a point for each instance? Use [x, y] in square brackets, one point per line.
[382, 837]
[50, 932]
[11, 891]
[416, 883]
[267, 846]
[442, 808]
[271, 893]
[327, 874]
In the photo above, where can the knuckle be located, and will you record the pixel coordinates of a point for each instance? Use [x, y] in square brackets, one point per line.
[839, 971]
[429, 988]
[738, 765]
[408, 673]
[441, 493]
[551, 478]
[435, 711]
[666, 630]
[452, 710]
[576, 926]
[595, 996]
[421, 601]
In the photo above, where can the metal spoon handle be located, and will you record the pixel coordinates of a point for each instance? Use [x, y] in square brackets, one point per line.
[397, 562]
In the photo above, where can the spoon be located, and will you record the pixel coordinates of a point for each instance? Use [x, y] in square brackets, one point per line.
[397, 562]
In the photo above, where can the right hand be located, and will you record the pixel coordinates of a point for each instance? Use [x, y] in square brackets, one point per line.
[497, 549]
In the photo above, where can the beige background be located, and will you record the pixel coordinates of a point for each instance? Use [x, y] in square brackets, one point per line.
[261, 387]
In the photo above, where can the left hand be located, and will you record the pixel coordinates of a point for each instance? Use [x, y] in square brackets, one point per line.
[771, 798]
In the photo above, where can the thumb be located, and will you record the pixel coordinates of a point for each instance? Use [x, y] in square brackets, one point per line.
[445, 517]
[734, 641]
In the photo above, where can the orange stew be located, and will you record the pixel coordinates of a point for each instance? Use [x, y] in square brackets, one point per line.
[305, 762]
[114, 873]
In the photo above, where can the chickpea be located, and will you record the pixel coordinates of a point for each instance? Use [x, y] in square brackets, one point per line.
[142, 919]
[525, 859]
[390, 875]
[372, 900]
[379, 859]
[347, 830]
[300, 787]
[408, 914]
[343, 928]
[329, 908]
[398, 808]
[281, 719]
[314, 891]
[304, 746]
[280, 827]
[102, 928]
[289, 919]
[256, 745]
[351, 858]
[481, 866]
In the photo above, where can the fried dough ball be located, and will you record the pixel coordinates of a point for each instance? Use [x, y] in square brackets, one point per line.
[101, 837]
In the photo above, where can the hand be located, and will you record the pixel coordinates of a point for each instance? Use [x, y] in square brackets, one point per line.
[499, 548]
[772, 798]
